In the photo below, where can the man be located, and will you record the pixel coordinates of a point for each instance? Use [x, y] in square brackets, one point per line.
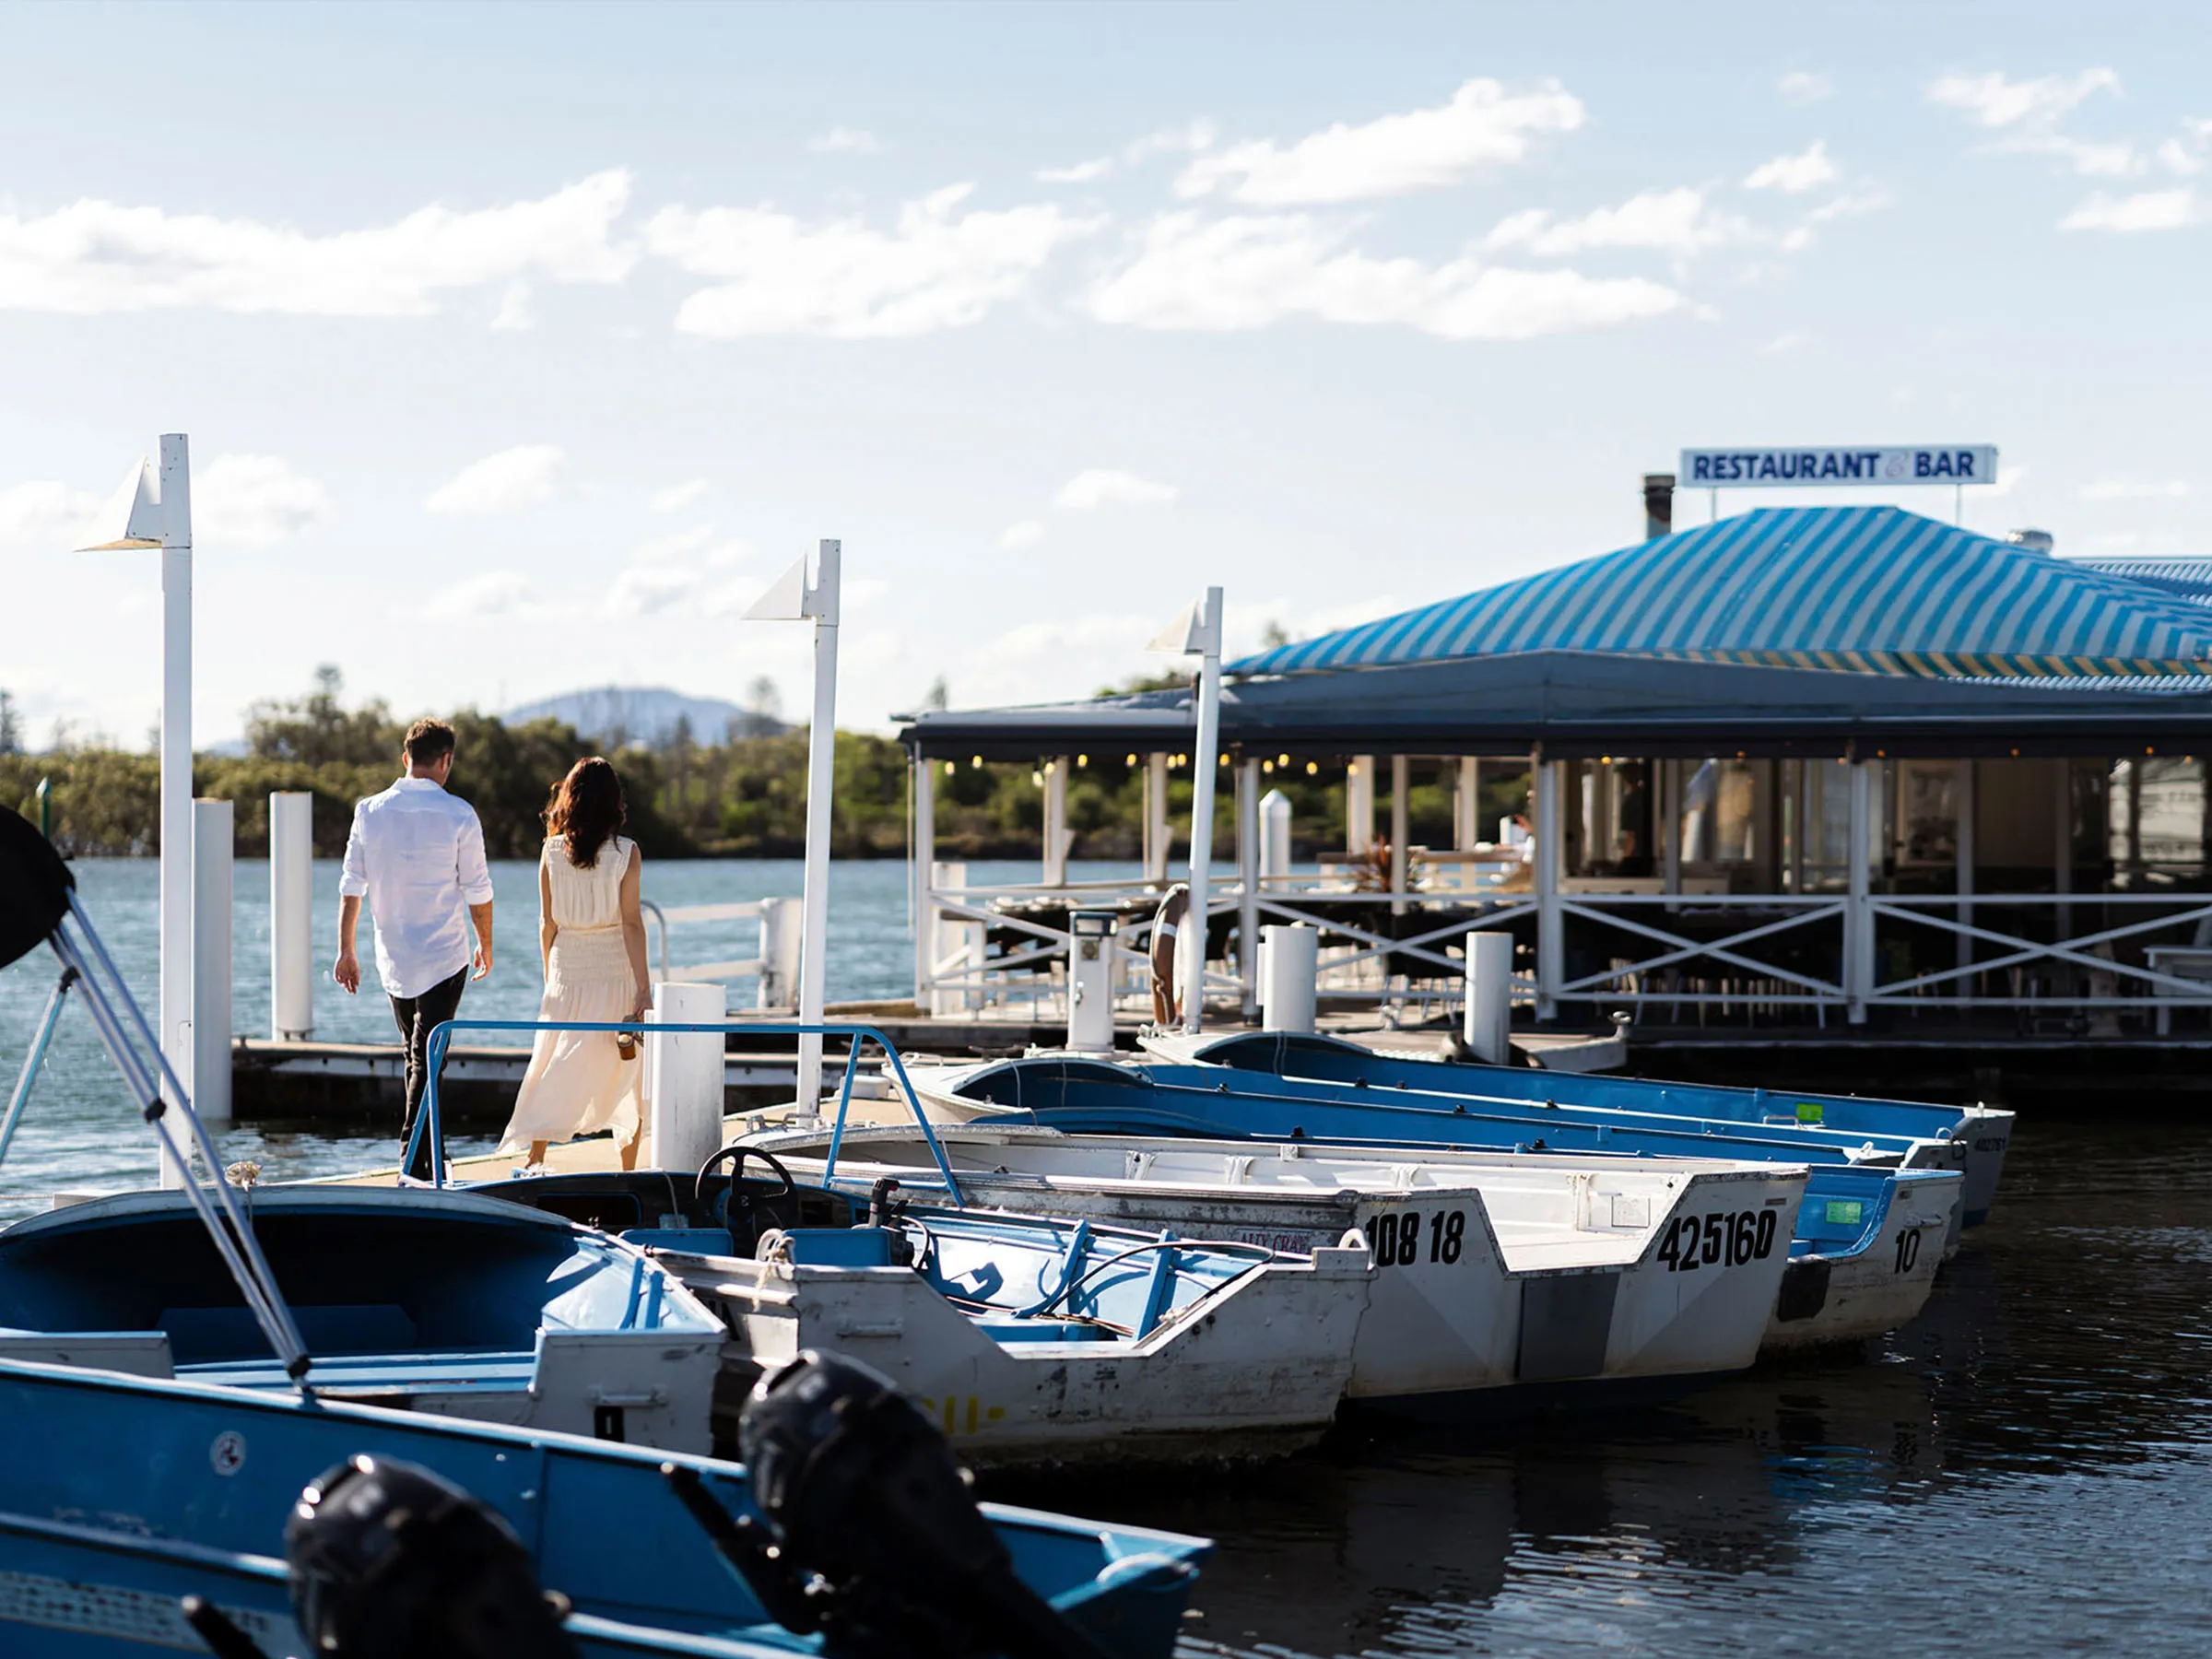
[416, 855]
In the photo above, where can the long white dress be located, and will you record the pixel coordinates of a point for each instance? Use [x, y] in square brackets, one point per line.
[578, 1081]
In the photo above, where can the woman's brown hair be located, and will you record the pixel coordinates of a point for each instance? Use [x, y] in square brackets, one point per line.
[587, 808]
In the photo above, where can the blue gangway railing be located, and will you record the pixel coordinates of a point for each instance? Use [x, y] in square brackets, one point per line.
[428, 1121]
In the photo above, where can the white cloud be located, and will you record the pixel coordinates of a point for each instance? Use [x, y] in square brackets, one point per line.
[1028, 533]
[507, 482]
[1788, 340]
[93, 256]
[677, 496]
[1793, 175]
[643, 589]
[1422, 149]
[662, 549]
[846, 141]
[1103, 486]
[938, 268]
[1251, 272]
[1675, 221]
[2133, 489]
[1804, 86]
[493, 595]
[1172, 141]
[2025, 114]
[514, 316]
[253, 501]
[2173, 209]
[46, 516]
[1082, 172]
[733, 598]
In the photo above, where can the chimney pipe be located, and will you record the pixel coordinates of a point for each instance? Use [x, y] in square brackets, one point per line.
[1658, 505]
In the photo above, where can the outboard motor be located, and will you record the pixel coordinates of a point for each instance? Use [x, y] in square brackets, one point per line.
[873, 1536]
[389, 1562]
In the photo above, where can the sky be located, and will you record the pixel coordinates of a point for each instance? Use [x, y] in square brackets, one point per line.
[519, 349]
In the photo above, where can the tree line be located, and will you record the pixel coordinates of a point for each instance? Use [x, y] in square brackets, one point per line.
[734, 796]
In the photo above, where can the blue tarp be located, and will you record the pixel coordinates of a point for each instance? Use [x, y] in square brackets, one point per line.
[1856, 589]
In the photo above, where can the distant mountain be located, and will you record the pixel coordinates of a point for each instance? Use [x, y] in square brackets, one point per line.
[613, 715]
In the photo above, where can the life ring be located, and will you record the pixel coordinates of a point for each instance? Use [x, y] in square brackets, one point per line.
[1166, 935]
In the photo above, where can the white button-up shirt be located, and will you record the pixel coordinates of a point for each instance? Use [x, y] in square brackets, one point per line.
[416, 855]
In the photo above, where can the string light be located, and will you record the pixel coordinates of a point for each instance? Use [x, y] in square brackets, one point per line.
[1312, 768]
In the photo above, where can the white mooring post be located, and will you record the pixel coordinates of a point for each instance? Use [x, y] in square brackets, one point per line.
[291, 915]
[1289, 963]
[1198, 632]
[1057, 836]
[153, 510]
[1488, 1030]
[212, 840]
[1275, 835]
[794, 598]
[1092, 937]
[1359, 806]
[684, 1075]
[1158, 837]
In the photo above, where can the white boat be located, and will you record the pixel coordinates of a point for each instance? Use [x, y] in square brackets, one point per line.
[1492, 1270]
[1028, 1338]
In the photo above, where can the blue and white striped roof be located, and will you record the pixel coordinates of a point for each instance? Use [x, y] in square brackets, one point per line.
[2177, 577]
[1869, 589]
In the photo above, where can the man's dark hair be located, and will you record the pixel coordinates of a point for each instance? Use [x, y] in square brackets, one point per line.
[428, 742]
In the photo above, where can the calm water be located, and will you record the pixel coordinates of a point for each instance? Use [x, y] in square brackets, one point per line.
[2026, 1470]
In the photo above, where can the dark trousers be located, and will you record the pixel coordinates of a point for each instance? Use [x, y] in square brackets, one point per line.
[418, 1017]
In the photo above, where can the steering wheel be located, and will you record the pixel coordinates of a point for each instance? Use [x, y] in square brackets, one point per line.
[735, 1203]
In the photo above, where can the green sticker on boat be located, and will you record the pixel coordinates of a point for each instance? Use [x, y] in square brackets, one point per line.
[1809, 1114]
[1844, 1212]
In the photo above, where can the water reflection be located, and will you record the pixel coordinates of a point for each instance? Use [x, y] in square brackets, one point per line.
[2021, 1469]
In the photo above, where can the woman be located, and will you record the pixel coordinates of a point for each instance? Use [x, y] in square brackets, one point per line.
[591, 933]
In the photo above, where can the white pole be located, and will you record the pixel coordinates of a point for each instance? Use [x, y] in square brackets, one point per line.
[1550, 933]
[291, 915]
[1248, 884]
[1204, 764]
[1468, 829]
[212, 823]
[1400, 822]
[176, 767]
[1359, 806]
[821, 739]
[1156, 819]
[1489, 1012]
[1275, 834]
[1055, 821]
[926, 858]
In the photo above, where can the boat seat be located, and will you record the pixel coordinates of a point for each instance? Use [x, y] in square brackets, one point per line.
[844, 1246]
[1007, 1328]
[462, 1371]
[205, 1335]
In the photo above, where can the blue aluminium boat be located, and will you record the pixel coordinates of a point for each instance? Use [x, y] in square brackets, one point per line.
[430, 1302]
[1868, 1238]
[128, 1493]
[1984, 1131]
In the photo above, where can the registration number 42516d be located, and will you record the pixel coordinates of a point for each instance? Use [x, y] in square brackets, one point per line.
[1717, 1241]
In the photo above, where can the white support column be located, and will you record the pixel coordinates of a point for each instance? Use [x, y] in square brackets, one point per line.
[925, 857]
[212, 842]
[1056, 836]
[1466, 814]
[176, 768]
[1248, 883]
[1156, 839]
[1205, 763]
[1359, 806]
[1858, 917]
[1400, 820]
[291, 915]
[1966, 868]
[1670, 826]
[1550, 782]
